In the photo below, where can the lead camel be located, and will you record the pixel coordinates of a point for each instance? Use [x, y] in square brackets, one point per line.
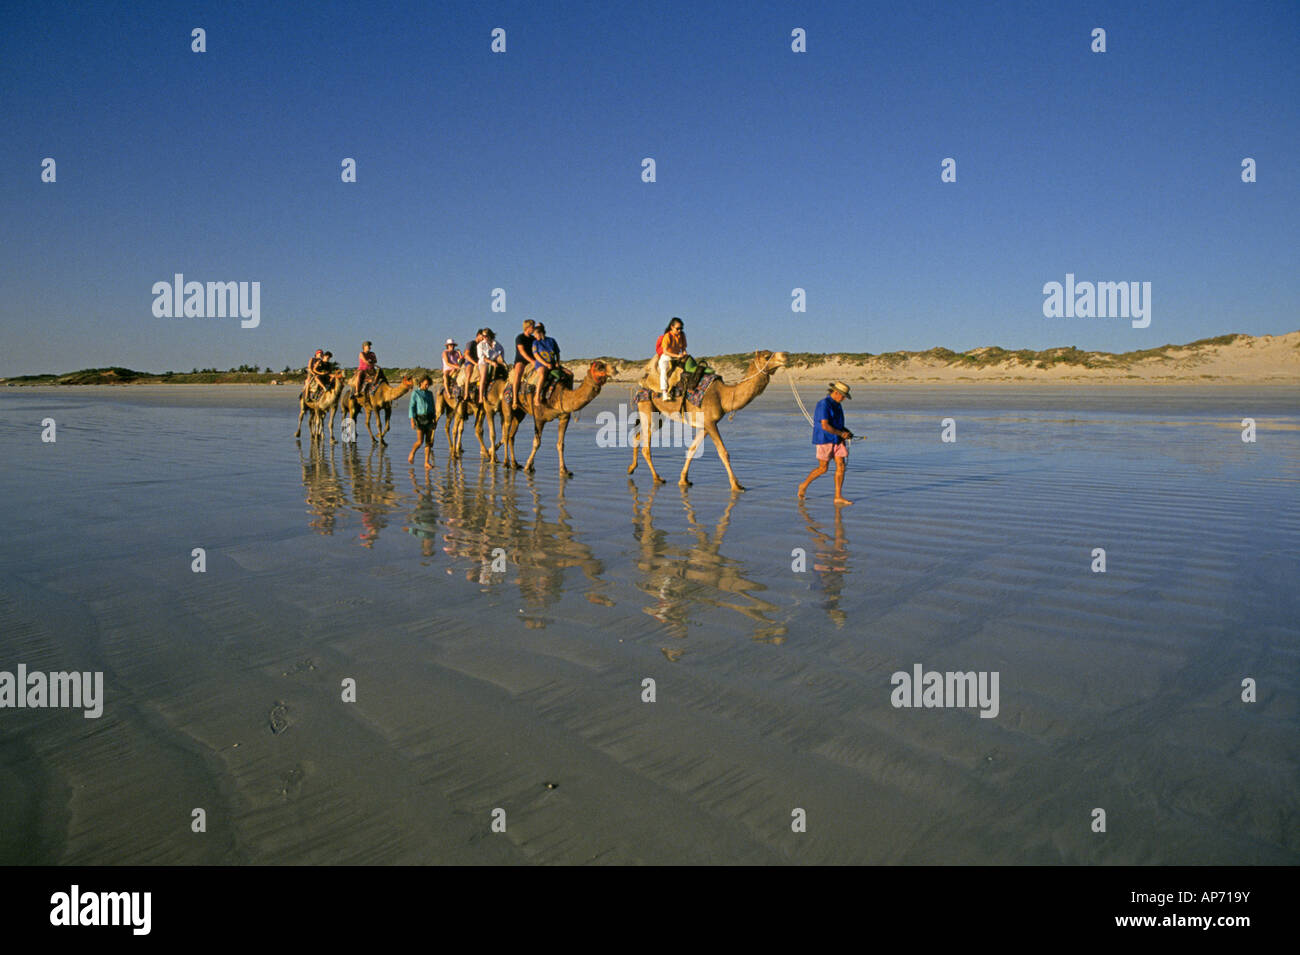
[720, 399]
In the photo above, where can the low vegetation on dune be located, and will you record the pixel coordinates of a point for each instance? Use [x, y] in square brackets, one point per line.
[991, 356]
[986, 357]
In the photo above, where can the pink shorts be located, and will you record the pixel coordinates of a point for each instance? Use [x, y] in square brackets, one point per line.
[824, 451]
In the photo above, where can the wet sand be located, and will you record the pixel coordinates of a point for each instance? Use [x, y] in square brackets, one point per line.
[477, 687]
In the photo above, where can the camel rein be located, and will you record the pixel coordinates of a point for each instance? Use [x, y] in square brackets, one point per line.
[797, 400]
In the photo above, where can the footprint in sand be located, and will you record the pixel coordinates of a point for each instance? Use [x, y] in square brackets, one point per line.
[291, 782]
[279, 718]
[297, 668]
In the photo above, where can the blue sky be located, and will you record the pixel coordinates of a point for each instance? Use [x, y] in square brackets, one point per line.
[775, 170]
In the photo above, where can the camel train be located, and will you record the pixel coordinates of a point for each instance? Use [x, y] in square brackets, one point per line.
[709, 402]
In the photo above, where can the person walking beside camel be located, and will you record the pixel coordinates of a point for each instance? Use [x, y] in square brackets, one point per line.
[830, 438]
[421, 413]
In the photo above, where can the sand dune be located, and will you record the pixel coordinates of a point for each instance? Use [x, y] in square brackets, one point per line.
[1230, 359]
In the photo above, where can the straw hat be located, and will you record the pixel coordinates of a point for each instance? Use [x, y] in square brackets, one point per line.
[841, 387]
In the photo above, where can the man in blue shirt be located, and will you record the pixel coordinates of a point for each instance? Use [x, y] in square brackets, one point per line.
[829, 437]
[546, 357]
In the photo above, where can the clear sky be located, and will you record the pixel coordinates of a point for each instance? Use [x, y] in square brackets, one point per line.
[522, 171]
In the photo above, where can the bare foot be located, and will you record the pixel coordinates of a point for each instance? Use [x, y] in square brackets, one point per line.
[800, 493]
[842, 501]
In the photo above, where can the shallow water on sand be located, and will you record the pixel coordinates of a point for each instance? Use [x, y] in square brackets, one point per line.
[478, 684]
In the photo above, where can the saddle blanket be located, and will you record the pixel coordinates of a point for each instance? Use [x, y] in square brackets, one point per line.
[694, 396]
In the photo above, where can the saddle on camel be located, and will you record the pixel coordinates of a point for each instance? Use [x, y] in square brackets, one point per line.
[673, 376]
[556, 376]
[687, 381]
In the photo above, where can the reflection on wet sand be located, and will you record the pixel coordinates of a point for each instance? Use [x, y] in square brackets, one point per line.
[325, 493]
[678, 577]
[830, 561]
[424, 514]
[484, 525]
[547, 549]
[374, 493]
[497, 528]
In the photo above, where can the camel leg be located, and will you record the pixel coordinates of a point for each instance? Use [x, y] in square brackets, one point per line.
[712, 428]
[511, 431]
[478, 433]
[384, 418]
[636, 445]
[559, 444]
[334, 412]
[684, 481]
[302, 410]
[537, 443]
[458, 429]
[491, 437]
[647, 429]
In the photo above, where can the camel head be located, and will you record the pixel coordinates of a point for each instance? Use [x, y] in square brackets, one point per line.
[598, 372]
[769, 361]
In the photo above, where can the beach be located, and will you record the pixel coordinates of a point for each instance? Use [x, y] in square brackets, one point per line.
[500, 627]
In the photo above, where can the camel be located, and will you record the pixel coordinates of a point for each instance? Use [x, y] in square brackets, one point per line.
[457, 410]
[380, 403]
[718, 400]
[561, 404]
[323, 403]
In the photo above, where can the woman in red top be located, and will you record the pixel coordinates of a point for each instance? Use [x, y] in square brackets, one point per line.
[670, 347]
[367, 368]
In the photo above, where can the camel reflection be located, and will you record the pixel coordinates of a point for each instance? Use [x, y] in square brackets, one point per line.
[500, 531]
[374, 494]
[489, 525]
[678, 578]
[325, 493]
